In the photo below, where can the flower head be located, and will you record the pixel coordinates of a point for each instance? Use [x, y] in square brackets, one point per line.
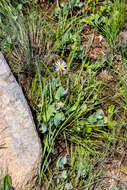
[60, 65]
[60, 104]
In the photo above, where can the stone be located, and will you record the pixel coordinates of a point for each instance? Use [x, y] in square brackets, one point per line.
[21, 156]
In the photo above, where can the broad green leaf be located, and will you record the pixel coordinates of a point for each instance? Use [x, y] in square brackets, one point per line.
[100, 122]
[43, 128]
[64, 175]
[51, 123]
[114, 188]
[50, 111]
[84, 107]
[105, 120]
[19, 6]
[123, 187]
[58, 118]
[73, 2]
[60, 93]
[66, 37]
[80, 4]
[68, 186]
[64, 6]
[8, 39]
[99, 114]
[56, 83]
[14, 17]
[92, 119]
[61, 162]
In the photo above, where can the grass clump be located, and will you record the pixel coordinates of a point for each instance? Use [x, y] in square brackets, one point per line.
[6, 183]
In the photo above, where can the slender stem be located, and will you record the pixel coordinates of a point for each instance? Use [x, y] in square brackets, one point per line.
[58, 5]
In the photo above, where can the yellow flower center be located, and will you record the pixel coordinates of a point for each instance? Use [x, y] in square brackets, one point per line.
[60, 67]
[61, 104]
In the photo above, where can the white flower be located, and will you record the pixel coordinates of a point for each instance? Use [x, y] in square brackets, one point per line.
[100, 38]
[60, 65]
[60, 104]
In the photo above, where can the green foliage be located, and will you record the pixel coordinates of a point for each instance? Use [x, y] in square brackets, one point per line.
[67, 6]
[21, 35]
[60, 93]
[61, 162]
[122, 187]
[98, 64]
[92, 5]
[97, 118]
[52, 115]
[114, 188]
[58, 118]
[108, 19]
[6, 183]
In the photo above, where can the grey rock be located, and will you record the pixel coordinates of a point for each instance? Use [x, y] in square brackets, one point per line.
[22, 155]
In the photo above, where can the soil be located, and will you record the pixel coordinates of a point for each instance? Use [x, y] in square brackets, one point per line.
[116, 172]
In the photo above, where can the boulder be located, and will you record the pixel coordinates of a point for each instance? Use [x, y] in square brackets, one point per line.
[21, 156]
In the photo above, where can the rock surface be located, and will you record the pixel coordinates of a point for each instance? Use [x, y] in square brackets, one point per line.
[22, 156]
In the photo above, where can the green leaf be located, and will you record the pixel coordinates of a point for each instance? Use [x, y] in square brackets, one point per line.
[7, 182]
[95, 66]
[105, 120]
[58, 118]
[89, 130]
[60, 93]
[73, 2]
[8, 39]
[64, 7]
[19, 6]
[92, 119]
[80, 4]
[100, 122]
[50, 111]
[56, 83]
[14, 17]
[68, 186]
[114, 188]
[61, 162]
[64, 175]
[122, 187]
[82, 123]
[99, 114]
[51, 123]
[111, 111]
[66, 37]
[43, 128]
[83, 107]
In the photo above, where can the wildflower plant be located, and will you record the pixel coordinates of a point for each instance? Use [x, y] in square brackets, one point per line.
[52, 115]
